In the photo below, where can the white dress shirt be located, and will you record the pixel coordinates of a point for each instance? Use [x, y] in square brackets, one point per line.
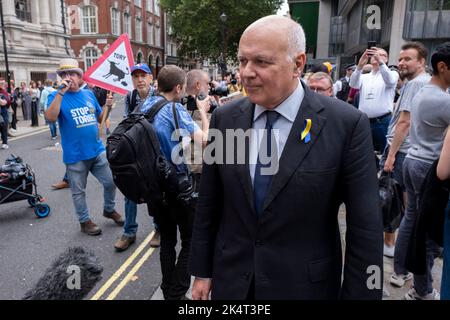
[377, 90]
[288, 110]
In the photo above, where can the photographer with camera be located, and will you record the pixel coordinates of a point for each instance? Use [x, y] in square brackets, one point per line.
[198, 86]
[178, 212]
[234, 85]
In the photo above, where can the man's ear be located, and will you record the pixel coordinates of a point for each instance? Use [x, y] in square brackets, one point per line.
[300, 62]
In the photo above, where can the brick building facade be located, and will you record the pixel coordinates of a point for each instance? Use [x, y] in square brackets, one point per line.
[95, 24]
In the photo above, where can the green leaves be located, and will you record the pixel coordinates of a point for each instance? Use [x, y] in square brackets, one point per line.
[197, 24]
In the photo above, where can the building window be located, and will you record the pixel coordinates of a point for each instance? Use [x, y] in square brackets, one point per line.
[127, 24]
[89, 19]
[174, 49]
[138, 3]
[158, 36]
[138, 30]
[115, 21]
[139, 57]
[150, 5]
[90, 57]
[156, 7]
[150, 34]
[23, 10]
[157, 65]
[150, 60]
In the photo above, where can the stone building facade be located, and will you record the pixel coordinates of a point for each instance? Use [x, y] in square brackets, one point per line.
[35, 39]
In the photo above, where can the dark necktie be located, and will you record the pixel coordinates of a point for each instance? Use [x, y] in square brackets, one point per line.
[262, 181]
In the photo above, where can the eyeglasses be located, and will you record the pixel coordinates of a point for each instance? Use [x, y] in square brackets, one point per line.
[320, 91]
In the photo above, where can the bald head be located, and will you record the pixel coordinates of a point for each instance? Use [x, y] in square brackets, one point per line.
[271, 59]
[285, 28]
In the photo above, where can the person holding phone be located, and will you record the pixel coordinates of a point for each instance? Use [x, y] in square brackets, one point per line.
[377, 92]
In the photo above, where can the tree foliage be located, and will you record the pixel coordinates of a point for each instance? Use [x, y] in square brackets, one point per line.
[196, 24]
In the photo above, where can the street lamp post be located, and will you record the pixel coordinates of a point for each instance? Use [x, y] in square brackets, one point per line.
[223, 19]
[5, 49]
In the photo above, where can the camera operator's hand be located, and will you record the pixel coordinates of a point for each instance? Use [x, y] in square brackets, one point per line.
[64, 86]
[109, 100]
[203, 105]
[215, 84]
[364, 59]
[376, 55]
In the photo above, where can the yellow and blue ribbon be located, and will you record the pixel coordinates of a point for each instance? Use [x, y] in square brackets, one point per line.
[306, 135]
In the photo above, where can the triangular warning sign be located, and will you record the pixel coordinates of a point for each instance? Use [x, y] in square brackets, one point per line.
[112, 71]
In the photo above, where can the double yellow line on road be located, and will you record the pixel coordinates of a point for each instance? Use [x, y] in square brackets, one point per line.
[116, 276]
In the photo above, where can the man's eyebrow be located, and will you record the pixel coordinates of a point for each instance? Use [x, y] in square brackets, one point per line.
[257, 57]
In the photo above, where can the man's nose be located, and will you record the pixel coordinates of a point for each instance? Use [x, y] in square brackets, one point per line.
[247, 71]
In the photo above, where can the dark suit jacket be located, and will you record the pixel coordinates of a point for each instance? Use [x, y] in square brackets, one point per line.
[293, 250]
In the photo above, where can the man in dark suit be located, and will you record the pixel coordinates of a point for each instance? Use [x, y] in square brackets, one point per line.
[259, 235]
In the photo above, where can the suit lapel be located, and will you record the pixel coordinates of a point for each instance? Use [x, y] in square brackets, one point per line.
[295, 149]
[244, 120]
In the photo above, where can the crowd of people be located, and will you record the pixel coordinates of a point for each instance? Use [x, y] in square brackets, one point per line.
[253, 235]
[408, 108]
[25, 98]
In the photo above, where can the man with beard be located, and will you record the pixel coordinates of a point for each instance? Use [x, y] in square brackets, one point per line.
[411, 67]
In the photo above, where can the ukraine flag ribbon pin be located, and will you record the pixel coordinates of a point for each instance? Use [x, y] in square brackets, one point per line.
[306, 135]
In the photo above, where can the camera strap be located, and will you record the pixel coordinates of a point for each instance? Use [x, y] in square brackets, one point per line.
[177, 126]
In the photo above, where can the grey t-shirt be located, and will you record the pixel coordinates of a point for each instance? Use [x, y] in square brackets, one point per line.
[409, 91]
[430, 117]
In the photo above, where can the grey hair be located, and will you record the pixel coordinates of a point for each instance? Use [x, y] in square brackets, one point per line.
[295, 34]
[192, 77]
[296, 41]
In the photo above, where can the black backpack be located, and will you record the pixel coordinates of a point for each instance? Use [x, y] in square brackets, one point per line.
[131, 102]
[139, 169]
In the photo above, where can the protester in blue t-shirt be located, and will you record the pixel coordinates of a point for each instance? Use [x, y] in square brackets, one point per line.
[78, 114]
[171, 85]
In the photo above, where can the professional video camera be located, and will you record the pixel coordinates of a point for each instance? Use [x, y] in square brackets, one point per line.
[233, 80]
[221, 91]
[191, 105]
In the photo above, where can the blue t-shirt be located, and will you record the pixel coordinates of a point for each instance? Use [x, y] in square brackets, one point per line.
[78, 125]
[164, 124]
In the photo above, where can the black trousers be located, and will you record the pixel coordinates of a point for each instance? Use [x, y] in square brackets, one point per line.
[175, 277]
[4, 125]
[34, 114]
[14, 115]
